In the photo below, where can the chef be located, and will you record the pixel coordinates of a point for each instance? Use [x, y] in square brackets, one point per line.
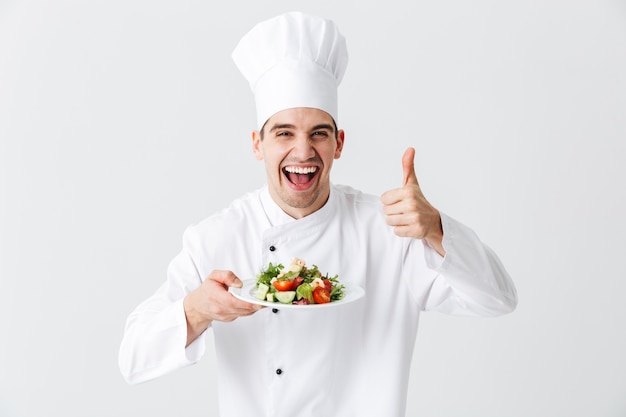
[351, 359]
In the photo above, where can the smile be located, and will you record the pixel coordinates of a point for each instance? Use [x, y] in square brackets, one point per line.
[300, 176]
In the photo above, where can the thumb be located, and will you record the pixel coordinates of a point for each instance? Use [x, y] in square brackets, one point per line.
[226, 278]
[408, 167]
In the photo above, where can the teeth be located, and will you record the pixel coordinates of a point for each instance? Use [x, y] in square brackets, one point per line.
[301, 170]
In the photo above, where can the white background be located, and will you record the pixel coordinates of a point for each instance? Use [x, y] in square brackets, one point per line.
[122, 122]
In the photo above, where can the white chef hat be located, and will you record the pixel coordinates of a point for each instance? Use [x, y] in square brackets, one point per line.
[293, 60]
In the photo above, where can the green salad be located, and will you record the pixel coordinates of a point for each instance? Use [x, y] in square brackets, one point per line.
[297, 284]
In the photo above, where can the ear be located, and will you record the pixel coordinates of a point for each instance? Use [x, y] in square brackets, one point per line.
[256, 145]
[340, 140]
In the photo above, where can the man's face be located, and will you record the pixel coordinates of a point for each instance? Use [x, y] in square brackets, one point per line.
[299, 146]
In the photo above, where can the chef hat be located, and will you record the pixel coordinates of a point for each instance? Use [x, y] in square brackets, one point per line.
[293, 60]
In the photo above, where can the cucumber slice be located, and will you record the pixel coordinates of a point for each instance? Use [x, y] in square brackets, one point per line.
[285, 297]
[261, 291]
[270, 297]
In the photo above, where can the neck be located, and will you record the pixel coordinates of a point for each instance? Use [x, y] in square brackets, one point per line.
[300, 209]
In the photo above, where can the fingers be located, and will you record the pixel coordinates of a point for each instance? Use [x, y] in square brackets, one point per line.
[226, 278]
[410, 186]
[406, 208]
[212, 301]
[396, 200]
[215, 302]
[218, 295]
[408, 167]
[228, 308]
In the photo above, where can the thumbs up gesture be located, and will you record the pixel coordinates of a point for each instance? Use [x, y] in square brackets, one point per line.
[408, 211]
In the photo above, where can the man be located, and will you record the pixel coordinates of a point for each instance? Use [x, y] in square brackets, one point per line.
[348, 360]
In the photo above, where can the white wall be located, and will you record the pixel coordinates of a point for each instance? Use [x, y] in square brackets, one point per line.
[122, 122]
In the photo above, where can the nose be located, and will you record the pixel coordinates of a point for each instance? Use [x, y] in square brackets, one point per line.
[302, 148]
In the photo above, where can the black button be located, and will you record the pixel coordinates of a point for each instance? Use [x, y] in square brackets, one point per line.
[272, 248]
[274, 310]
[279, 371]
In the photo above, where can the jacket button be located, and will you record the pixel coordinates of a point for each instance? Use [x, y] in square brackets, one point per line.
[274, 310]
[279, 371]
[272, 248]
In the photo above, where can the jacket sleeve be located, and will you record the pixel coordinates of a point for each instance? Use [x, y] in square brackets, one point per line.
[155, 334]
[470, 280]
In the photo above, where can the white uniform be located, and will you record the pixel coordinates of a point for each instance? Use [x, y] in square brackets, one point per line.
[351, 360]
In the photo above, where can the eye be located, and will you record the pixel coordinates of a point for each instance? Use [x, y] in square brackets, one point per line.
[320, 134]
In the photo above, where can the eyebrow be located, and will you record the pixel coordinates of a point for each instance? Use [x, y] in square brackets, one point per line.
[282, 126]
[324, 126]
[290, 126]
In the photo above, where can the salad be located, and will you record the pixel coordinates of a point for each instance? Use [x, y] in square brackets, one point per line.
[297, 284]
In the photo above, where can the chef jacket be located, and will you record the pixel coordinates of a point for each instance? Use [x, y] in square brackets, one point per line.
[347, 360]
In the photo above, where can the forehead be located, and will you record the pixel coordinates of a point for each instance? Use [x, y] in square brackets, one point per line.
[300, 118]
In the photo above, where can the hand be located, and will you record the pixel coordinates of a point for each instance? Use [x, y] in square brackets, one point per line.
[409, 212]
[212, 301]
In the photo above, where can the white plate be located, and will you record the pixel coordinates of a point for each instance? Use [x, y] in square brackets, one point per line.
[247, 293]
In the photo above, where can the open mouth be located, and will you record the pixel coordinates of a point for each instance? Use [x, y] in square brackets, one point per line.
[301, 177]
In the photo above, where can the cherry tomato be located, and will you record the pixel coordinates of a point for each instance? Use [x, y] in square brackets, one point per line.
[283, 285]
[321, 295]
[328, 285]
